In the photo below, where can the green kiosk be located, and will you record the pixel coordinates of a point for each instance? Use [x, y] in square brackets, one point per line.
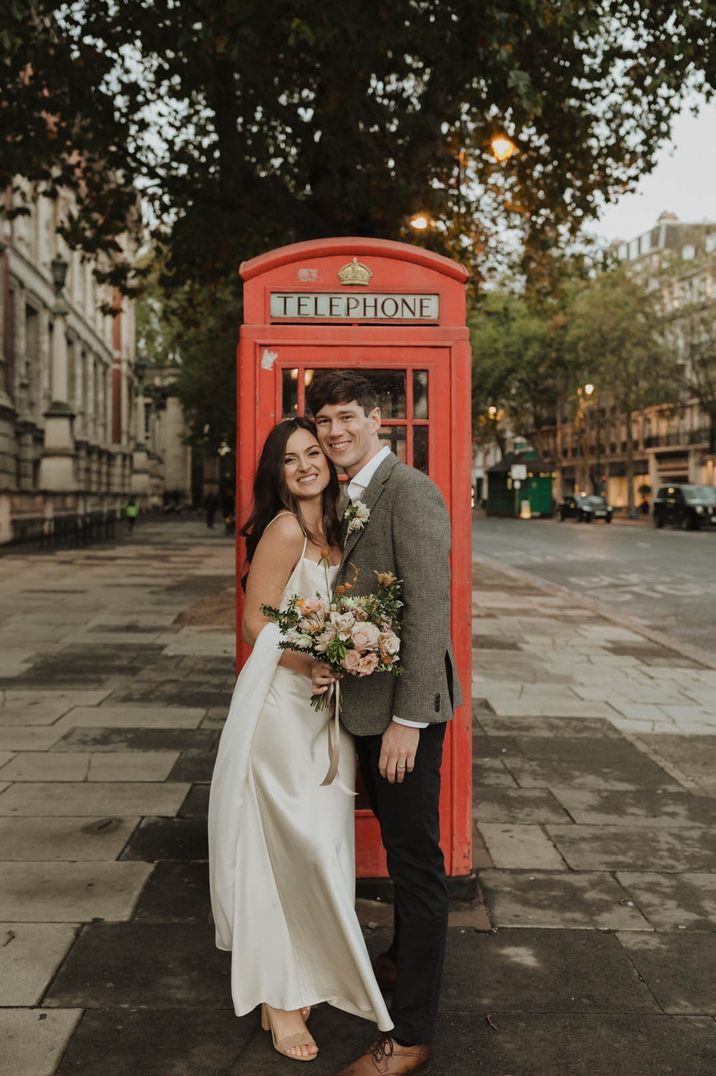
[520, 477]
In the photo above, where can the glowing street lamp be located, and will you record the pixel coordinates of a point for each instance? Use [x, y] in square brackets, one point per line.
[420, 222]
[502, 147]
[588, 390]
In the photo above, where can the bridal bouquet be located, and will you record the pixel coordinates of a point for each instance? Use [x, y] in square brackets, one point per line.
[354, 635]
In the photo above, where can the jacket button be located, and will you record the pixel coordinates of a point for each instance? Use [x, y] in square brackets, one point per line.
[437, 704]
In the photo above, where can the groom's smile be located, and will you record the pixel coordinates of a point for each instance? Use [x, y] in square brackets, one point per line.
[348, 434]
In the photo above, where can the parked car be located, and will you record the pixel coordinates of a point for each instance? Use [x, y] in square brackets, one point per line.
[686, 506]
[585, 509]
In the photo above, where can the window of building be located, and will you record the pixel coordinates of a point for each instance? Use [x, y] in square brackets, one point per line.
[710, 242]
[688, 253]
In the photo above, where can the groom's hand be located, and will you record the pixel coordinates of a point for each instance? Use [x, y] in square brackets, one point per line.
[397, 752]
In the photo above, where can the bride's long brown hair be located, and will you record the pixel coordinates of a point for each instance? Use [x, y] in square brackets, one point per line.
[271, 495]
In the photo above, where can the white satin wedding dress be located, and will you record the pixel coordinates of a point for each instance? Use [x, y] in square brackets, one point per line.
[281, 846]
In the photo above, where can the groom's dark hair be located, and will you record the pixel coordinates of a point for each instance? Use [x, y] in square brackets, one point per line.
[340, 387]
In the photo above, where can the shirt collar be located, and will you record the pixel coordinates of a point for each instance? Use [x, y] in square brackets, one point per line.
[360, 482]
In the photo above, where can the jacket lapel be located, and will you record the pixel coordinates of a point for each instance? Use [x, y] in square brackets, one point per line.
[370, 498]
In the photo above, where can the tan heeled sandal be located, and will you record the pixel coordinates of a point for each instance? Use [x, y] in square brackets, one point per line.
[282, 1046]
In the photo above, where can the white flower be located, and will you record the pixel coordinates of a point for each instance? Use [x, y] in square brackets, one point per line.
[297, 638]
[357, 515]
[324, 640]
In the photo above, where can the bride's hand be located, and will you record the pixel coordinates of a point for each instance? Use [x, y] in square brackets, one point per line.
[322, 676]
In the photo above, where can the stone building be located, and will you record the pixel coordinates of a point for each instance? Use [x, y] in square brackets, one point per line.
[67, 382]
[671, 441]
[162, 465]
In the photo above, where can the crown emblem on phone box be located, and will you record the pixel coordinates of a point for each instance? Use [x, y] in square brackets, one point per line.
[355, 272]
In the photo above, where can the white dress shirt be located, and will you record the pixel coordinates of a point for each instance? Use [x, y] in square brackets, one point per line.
[356, 488]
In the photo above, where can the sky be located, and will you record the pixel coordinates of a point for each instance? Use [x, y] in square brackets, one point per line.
[683, 181]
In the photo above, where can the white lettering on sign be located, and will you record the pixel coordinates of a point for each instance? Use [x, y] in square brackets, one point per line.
[353, 306]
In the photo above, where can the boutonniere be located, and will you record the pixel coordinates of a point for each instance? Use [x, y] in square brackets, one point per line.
[357, 514]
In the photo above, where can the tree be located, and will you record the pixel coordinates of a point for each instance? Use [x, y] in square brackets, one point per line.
[247, 124]
[616, 332]
[196, 329]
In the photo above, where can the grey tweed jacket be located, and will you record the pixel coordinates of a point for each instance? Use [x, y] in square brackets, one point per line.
[408, 533]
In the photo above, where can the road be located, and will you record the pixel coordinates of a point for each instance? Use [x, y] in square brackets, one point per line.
[666, 578]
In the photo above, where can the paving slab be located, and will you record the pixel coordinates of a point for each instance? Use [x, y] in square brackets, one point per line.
[47, 838]
[520, 847]
[524, 970]
[555, 1044]
[30, 953]
[149, 717]
[144, 965]
[129, 765]
[32, 1040]
[175, 893]
[587, 727]
[28, 737]
[674, 901]
[182, 839]
[202, 1041]
[491, 771]
[39, 766]
[559, 900]
[651, 807]
[69, 892]
[193, 765]
[587, 772]
[645, 848]
[517, 805]
[555, 707]
[694, 755]
[677, 968]
[196, 803]
[94, 797]
[135, 739]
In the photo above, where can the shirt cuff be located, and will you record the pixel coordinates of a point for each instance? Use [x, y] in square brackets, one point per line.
[411, 724]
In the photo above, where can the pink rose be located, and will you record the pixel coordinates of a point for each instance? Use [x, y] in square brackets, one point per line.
[367, 664]
[365, 636]
[351, 661]
[314, 605]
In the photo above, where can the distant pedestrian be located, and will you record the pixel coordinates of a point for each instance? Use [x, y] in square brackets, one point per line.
[228, 511]
[211, 503]
[131, 510]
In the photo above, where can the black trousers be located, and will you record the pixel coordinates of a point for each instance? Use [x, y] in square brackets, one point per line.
[409, 819]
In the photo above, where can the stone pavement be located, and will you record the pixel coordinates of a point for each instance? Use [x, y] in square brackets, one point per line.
[595, 798]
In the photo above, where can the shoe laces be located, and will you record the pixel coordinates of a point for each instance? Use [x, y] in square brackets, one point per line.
[382, 1047]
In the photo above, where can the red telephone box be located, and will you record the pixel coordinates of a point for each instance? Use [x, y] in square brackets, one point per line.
[396, 312]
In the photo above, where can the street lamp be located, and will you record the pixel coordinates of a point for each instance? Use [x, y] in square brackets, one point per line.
[502, 147]
[421, 221]
[59, 268]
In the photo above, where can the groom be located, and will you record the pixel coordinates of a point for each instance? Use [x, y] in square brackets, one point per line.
[399, 724]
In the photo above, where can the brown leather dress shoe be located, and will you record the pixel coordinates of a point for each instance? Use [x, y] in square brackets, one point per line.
[385, 970]
[386, 1057]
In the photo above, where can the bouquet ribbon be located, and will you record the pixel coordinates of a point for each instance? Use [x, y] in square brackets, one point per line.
[334, 742]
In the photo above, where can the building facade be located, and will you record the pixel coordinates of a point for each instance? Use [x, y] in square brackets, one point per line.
[67, 383]
[162, 467]
[671, 442]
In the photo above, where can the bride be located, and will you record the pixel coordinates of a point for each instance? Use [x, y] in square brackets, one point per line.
[281, 846]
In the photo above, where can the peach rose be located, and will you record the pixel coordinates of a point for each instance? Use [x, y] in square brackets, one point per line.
[365, 636]
[367, 664]
[351, 662]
